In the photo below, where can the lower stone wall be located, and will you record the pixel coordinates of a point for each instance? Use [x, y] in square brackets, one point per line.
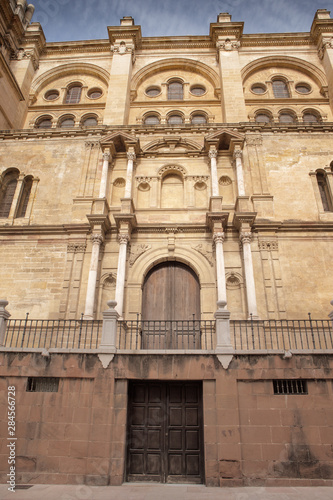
[251, 435]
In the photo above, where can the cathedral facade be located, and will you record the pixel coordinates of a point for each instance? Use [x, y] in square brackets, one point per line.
[166, 226]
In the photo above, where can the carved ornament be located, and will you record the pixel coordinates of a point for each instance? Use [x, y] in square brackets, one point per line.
[76, 247]
[268, 245]
[228, 45]
[91, 144]
[131, 155]
[255, 140]
[245, 237]
[212, 153]
[218, 237]
[206, 251]
[123, 239]
[97, 239]
[106, 156]
[327, 43]
[136, 251]
[238, 153]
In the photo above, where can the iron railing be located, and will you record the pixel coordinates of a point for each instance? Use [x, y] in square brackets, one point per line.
[60, 334]
[173, 334]
[282, 334]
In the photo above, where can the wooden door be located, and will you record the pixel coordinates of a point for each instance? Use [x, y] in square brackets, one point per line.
[170, 303]
[165, 438]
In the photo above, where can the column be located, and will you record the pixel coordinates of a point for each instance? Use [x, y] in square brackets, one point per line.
[213, 172]
[97, 240]
[245, 237]
[120, 285]
[129, 174]
[239, 171]
[220, 271]
[104, 178]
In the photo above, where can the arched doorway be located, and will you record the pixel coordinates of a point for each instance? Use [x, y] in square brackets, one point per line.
[171, 307]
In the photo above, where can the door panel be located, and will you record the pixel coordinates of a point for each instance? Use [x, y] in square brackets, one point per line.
[165, 440]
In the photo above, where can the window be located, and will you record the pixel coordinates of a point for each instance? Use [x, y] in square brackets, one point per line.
[286, 117]
[198, 119]
[42, 384]
[45, 122]
[90, 121]
[68, 122]
[25, 195]
[153, 91]
[175, 90]
[73, 94]
[303, 88]
[51, 95]
[324, 191]
[263, 118]
[197, 90]
[258, 88]
[280, 89]
[151, 120]
[310, 117]
[94, 93]
[291, 386]
[7, 192]
[175, 119]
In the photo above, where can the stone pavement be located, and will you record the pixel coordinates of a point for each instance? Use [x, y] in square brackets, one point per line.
[146, 491]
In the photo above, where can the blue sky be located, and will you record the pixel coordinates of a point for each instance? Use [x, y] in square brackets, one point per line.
[65, 20]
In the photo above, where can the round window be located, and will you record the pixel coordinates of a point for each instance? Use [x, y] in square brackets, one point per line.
[51, 95]
[153, 91]
[303, 88]
[258, 88]
[94, 93]
[197, 90]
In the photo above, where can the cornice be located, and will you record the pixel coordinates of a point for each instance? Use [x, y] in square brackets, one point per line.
[85, 46]
[276, 39]
[179, 42]
[45, 229]
[291, 226]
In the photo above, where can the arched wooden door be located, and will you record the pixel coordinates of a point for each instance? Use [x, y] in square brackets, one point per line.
[171, 307]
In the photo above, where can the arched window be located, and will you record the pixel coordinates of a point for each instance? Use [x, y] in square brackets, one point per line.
[280, 89]
[175, 90]
[151, 120]
[262, 117]
[90, 121]
[44, 122]
[7, 192]
[67, 122]
[175, 119]
[198, 119]
[324, 191]
[286, 117]
[73, 95]
[310, 117]
[25, 195]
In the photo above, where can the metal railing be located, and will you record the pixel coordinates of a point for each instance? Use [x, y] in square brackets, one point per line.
[173, 334]
[60, 334]
[281, 334]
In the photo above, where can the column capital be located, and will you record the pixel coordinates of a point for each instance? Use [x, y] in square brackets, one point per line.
[123, 239]
[106, 156]
[131, 155]
[245, 237]
[219, 237]
[97, 239]
[238, 153]
[212, 153]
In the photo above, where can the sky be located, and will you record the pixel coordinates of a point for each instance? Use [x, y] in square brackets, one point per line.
[65, 20]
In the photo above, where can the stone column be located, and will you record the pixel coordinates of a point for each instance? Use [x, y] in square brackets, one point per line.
[213, 172]
[130, 160]
[239, 171]
[104, 178]
[245, 237]
[121, 271]
[220, 271]
[97, 240]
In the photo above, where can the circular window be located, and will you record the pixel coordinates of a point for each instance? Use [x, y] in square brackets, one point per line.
[91, 121]
[94, 93]
[153, 91]
[198, 119]
[258, 88]
[45, 123]
[175, 120]
[151, 120]
[262, 118]
[67, 123]
[303, 88]
[197, 90]
[51, 95]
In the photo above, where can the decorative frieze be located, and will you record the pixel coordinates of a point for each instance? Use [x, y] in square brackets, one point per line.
[136, 251]
[268, 245]
[206, 251]
[228, 45]
[76, 247]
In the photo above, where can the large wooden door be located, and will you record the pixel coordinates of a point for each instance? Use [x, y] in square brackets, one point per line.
[170, 304]
[165, 432]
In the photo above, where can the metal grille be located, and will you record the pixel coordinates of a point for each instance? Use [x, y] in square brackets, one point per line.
[280, 89]
[42, 384]
[59, 334]
[291, 386]
[73, 95]
[281, 335]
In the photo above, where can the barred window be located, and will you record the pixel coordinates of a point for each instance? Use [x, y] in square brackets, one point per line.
[280, 89]
[291, 386]
[73, 95]
[8, 191]
[324, 191]
[175, 90]
[42, 384]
